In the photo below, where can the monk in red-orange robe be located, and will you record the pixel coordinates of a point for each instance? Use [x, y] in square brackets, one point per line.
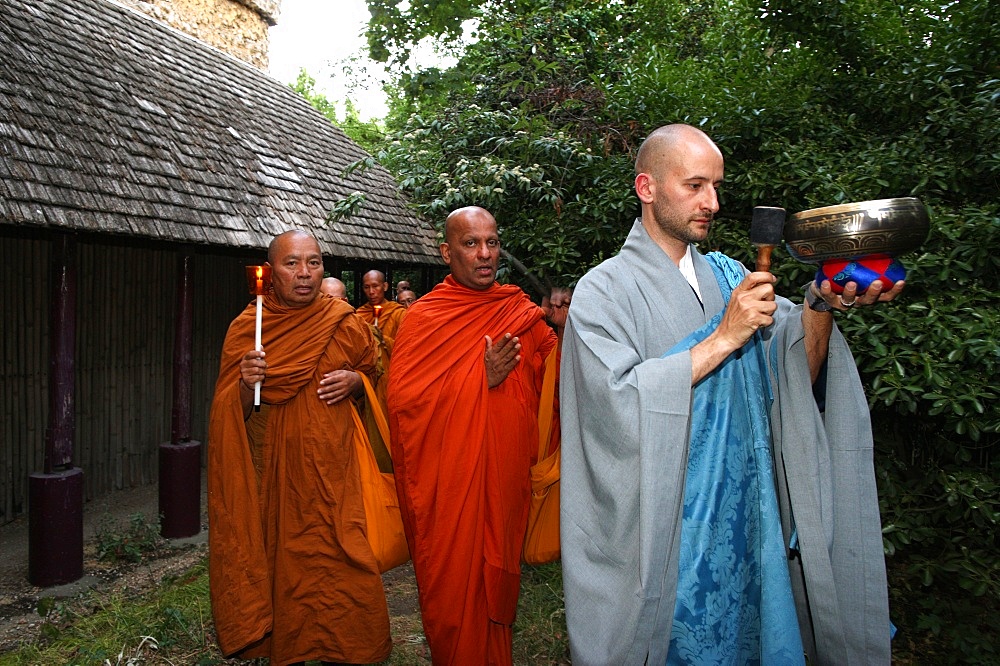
[462, 450]
[292, 576]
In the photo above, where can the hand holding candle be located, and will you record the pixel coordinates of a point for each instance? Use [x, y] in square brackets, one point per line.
[258, 282]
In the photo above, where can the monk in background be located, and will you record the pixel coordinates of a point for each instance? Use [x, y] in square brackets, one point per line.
[291, 574]
[380, 312]
[556, 308]
[406, 298]
[463, 414]
[384, 317]
[335, 287]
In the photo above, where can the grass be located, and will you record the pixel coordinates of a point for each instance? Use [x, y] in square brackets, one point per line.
[540, 630]
[173, 625]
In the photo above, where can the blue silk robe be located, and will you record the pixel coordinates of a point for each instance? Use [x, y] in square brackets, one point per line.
[626, 418]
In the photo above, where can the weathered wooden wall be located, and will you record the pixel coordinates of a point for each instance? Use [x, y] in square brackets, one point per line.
[125, 304]
[124, 373]
[24, 370]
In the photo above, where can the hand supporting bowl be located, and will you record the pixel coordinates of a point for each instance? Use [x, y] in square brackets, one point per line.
[858, 242]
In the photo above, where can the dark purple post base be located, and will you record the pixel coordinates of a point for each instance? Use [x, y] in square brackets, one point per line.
[180, 489]
[55, 527]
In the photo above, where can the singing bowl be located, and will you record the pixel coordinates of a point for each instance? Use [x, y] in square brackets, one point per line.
[888, 227]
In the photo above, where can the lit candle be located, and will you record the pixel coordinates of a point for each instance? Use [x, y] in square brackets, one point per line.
[257, 345]
[258, 280]
[378, 311]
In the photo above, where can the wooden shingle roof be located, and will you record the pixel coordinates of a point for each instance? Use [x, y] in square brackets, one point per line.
[113, 123]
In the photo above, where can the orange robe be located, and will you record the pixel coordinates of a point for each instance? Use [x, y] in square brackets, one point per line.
[462, 454]
[390, 317]
[291, 574]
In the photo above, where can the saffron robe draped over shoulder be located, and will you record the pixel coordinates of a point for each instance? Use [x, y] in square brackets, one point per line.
[291, 574]
[462, 455]
[625, 413]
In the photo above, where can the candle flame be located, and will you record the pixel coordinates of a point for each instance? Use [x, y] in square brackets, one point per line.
[258, 279]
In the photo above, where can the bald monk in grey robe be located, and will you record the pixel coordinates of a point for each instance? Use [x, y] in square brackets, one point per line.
[649, 329]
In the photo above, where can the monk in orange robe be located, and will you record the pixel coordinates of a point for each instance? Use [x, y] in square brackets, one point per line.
[463, 417]
[291, 574]
[380, 312]
[384, 316]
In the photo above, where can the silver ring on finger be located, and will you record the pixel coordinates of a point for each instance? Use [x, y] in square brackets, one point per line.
[846, 304]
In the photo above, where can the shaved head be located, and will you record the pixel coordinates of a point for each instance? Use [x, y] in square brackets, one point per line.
[678, 172]
[460, 217]
[374, 285]
[296, 268]
[278, 242]
[665, 145]
[333, 287]
[471, 247]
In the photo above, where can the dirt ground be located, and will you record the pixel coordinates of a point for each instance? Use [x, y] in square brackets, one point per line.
[19, 600]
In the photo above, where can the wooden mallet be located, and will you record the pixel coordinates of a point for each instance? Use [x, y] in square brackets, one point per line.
[765, 233]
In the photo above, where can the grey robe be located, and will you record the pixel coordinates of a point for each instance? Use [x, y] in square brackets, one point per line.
[625, 418]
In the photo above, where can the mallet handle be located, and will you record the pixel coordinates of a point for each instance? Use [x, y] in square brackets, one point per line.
[764, 257]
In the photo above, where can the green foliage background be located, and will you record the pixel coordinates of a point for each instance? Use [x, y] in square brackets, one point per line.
[813, 103]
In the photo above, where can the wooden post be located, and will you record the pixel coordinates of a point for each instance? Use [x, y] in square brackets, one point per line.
[180, 458]
[425, 278]
[359, 295]
[180, 425]
[55, 496]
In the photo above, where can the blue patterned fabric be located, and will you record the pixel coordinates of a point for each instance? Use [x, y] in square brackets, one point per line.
[734, 597]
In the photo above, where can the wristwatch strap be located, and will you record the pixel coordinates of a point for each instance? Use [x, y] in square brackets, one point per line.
[816, 302]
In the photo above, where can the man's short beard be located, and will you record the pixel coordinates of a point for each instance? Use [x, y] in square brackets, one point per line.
[671, 226]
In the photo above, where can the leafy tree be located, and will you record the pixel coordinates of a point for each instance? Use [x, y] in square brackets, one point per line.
[813, 103]
[367, 134]
[393, 31]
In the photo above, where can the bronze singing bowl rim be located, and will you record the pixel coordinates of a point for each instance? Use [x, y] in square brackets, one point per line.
[825, 239]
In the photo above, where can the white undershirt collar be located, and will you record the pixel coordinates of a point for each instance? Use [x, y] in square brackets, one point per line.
[686, 267]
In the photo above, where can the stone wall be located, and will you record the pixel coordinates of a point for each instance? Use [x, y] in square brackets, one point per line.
[238, 27]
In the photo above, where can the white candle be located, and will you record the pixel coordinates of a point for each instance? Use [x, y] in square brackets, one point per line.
[256, 386]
